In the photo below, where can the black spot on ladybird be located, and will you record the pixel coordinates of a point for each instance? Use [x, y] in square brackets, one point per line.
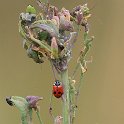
[54, 92]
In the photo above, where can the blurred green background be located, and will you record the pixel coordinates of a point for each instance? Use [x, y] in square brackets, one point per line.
[102, 95]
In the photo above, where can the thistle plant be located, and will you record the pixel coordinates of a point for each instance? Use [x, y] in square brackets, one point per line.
[51, 34]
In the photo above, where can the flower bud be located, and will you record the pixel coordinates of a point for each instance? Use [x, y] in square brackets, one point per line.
[54, 48]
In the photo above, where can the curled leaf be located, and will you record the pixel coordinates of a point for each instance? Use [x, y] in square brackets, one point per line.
[35, 55]
[45, 27]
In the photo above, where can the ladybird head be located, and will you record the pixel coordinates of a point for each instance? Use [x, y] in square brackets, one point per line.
[57, 83]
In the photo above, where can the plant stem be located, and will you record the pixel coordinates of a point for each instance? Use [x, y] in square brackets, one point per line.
[66, 101]
[24, 119]
[38, 115]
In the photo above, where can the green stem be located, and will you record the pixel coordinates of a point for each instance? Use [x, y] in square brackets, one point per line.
[38, 115]
[78, 88]
[66, 101]
[75, 70]
[24, 119]
[72, 100]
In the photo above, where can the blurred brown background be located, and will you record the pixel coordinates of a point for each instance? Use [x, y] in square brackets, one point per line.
[102, 95]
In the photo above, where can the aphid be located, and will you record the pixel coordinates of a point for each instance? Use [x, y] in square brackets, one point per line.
[57, 89]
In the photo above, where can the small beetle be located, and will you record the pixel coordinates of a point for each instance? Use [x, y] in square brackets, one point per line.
[57, 89]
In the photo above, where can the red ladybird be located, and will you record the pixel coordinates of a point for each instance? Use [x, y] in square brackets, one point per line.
[57, 89]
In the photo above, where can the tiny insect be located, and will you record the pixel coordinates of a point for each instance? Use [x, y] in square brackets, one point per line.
[57, 89]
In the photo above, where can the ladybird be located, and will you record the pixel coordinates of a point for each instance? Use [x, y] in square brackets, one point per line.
[57, 89]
